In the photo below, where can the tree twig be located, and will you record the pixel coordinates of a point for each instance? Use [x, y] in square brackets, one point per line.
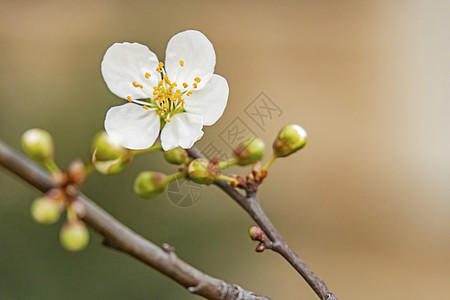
[119, 237]
[250, 204]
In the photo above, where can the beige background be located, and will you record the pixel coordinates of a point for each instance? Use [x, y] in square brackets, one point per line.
[365, 204]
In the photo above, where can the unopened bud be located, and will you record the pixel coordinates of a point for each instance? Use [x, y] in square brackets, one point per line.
[77, 172]
[74, 235]
[202, 171]
[260, 248]
[38, 144]
[109, 157]
[249, 151]
[256, 233]
[176, 156]
[45, 210]
[150, 184]
[290, 139]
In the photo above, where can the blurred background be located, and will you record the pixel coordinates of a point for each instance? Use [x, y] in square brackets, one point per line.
[366, 204]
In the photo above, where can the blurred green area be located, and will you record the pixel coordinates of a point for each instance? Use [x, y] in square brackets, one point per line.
[365, 204]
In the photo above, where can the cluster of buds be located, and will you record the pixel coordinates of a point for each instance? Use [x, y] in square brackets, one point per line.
[74, 236]
[108, 156]
[290, 139]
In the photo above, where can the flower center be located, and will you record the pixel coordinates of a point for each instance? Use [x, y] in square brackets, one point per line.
[167, 99]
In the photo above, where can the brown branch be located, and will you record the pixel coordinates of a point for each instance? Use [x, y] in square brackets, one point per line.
[251, 205]
[119, 237]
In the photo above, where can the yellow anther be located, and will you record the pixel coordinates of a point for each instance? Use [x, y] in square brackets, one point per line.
[155, 93]
[181, 63]
[161, 64]
[129, 99]
[147, 75]
[161, 82]
[165, 106]
[195, 85]
[137, 85]
[189, 93]
[161, 112]
[145, 107]
[197, 79]
[159, 69]
[185, 85]
[167, 120]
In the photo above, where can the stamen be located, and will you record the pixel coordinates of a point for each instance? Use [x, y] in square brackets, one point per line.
[195, 85]
[197, 79]
[145, 107]
[147, 75]
[167, 120]
[181, 63]
[137, 85]
[129, 99]
[160, 65]
[185, 85]
[166, 79]
[189, 93]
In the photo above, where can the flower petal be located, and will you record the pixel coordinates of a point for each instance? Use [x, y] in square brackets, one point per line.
[209, 102]
[184, 129]
[125, 63]
[197, 53]
[136, 127]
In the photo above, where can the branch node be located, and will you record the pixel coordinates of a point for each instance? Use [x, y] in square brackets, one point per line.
[193, 289]
[169, 250]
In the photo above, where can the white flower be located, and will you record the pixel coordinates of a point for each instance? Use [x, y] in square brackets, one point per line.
[177, 98]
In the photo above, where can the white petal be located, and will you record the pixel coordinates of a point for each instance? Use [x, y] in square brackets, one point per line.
[197, 53]
[125, 63]
[136, 127]
[183, 130]
[210, 102]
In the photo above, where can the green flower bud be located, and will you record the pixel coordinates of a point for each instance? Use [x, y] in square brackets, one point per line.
[111, 167]
[38, 144]
[249, 151]
[109, 156]
[45, 210]
[202, 171]
[290, 139]
[150, 184]
[176, 156]
[74, 235]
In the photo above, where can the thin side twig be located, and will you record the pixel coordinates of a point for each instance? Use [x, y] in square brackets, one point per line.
[120, 237]
[250, 204]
